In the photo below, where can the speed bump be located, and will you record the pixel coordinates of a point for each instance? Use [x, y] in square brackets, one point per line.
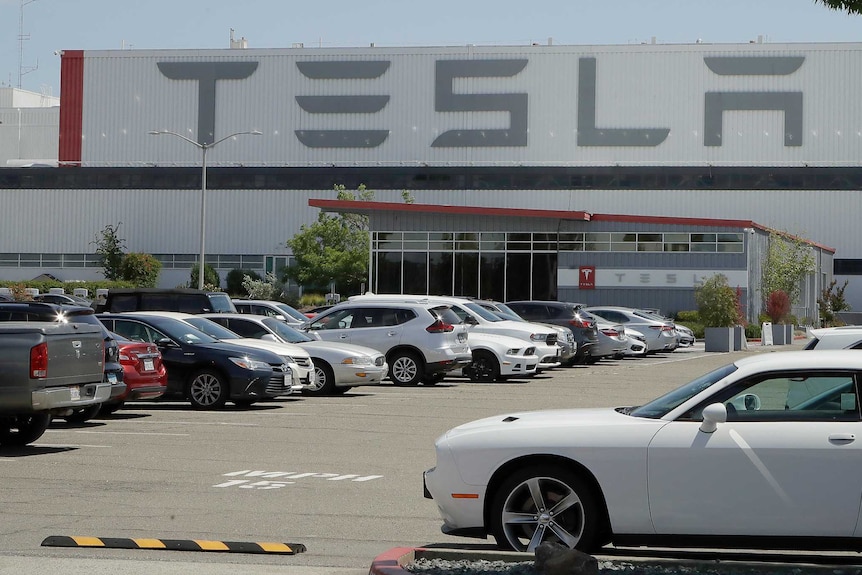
[175, 545]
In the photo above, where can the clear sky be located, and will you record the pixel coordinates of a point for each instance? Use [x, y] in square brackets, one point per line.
[53, 25]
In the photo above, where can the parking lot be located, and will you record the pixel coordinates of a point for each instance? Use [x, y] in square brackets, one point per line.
[340, 475]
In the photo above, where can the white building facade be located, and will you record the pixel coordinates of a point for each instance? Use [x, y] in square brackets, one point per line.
[765, 133]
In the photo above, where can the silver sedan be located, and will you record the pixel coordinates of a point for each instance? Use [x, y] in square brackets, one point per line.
[338, 366]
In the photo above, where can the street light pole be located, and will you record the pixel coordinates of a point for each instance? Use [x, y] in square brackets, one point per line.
[204, 148]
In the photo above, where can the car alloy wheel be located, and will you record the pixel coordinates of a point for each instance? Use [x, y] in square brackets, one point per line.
[544, 503]
[207, 390]
[485, 367]
[324, 379]
[405, 368]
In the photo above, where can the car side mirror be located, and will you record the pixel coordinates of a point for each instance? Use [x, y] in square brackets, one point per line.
[470, 320]
[165, 342]
[268, 337]
[713, 414]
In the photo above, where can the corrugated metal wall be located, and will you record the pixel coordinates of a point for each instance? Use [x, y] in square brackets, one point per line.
[637, 88]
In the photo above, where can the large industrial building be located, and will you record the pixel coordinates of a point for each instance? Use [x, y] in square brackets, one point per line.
[647, 167]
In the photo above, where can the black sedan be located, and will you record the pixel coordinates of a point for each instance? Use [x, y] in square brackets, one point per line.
[201, 369]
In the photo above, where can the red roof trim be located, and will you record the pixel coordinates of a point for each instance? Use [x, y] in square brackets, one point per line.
[669, 220]
[71, 107]
[355, 206]
[360, 206]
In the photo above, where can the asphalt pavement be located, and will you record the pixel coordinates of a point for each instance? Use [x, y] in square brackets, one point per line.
[342, 476]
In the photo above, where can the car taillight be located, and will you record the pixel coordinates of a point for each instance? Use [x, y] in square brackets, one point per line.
[579, 323]
[440, 326]
[39, 361]
[610, 332]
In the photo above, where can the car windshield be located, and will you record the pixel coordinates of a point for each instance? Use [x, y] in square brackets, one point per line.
[180, 330]
[660, 407]
[221, 303]
[482, 312]
[507, 310]
[291, 313]
[284, 331]
[212, 329]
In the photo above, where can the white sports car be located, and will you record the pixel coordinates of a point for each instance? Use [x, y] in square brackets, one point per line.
[764, 452]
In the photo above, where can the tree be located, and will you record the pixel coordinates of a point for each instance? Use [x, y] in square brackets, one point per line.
[849, 6]
[110, 248]
[777, 306]
[141, 269]
[716, 302]
[788, 262]
[831, 301]
[334, 249]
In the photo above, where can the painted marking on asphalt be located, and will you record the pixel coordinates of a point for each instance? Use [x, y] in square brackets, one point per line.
[67, 445]
[97, 432]
[284, 478]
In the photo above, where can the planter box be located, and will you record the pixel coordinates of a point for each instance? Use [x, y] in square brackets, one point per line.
[779, 334]
[738, 338]
[718, 339]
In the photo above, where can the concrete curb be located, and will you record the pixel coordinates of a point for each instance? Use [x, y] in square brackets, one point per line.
[729, 562]
[392, 562]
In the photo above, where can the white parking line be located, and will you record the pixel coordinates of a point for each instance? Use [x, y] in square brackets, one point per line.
[67, 445]
[132, 433]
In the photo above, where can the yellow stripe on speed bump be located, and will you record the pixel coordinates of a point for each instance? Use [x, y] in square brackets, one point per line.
[88, 542]
[212, 545]
[175, 544]
[149, 543]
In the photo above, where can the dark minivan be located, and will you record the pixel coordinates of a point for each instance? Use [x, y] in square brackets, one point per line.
[155, 299]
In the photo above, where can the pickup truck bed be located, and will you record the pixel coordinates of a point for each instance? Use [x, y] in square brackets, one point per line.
[47, 369]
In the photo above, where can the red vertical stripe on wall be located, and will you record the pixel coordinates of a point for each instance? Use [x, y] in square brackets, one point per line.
[71, 106]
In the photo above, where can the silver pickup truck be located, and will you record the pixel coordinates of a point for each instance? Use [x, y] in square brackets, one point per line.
[47, 369]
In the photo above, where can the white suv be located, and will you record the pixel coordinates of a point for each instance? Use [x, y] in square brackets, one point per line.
[481, 320]
[421, 341]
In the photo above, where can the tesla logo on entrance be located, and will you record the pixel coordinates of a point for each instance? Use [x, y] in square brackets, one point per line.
[587, 277]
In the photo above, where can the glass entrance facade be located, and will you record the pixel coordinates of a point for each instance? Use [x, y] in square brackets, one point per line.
[508, 266]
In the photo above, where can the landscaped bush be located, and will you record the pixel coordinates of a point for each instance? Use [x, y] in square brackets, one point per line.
[141, 270]
[234, 279]
[312, 300]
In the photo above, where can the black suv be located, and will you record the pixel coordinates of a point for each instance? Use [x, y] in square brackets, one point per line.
[42, 311]
[566, 314]
[155, 299]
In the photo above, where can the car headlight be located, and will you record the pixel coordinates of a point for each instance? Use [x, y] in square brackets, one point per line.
[357, 360]
[513, 351]
[247, 363]
[538, 337]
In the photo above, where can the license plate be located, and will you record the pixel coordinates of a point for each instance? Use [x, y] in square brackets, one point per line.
[149, 365]
[75, 392]
[112, 378]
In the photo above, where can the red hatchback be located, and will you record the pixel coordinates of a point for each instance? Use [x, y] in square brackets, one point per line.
[144, 373]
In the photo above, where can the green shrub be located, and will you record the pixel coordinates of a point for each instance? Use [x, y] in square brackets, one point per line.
[142, 270]
[234, 279]
[753, 331]
[211, 277]
[312, 300]
[686, 317]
